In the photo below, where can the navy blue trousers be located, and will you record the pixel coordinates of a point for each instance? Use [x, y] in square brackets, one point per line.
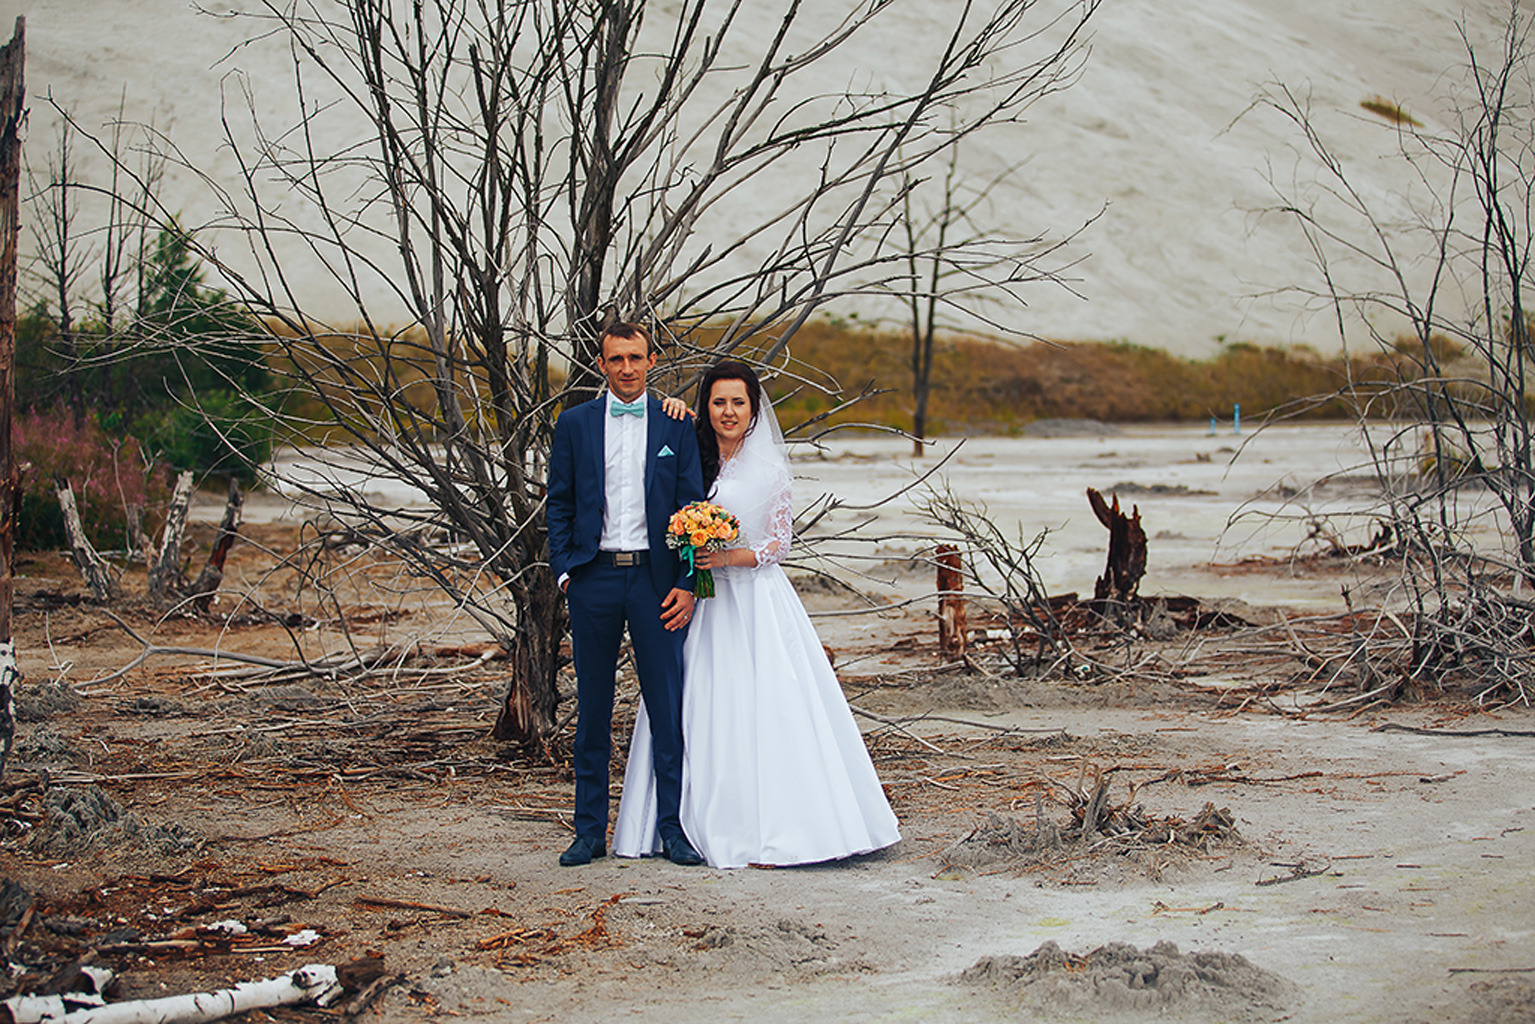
[602, 599]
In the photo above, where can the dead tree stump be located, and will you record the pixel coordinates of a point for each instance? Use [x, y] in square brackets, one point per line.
[1117, 590]
[207, 584]
[166, 578]
[951, 603]
[93, 568]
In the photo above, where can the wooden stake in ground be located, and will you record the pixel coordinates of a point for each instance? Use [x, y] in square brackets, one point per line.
[951, 603]
[11, 113]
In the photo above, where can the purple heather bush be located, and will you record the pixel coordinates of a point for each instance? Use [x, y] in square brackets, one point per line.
[107, 476]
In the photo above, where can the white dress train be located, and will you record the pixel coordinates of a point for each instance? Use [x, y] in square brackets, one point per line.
[775, 770]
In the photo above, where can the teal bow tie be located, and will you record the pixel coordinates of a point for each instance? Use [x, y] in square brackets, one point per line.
[617, 408]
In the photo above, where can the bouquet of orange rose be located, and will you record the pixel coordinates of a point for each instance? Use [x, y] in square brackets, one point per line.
[701, 526]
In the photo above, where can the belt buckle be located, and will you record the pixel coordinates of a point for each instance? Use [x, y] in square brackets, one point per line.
[624, 559]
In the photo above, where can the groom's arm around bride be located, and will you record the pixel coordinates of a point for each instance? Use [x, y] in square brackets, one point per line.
[619, 467]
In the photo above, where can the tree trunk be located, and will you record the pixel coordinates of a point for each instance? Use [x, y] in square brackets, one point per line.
[528, 711]
[921, 384]
[951, 603]
[12, 100]
[315, 983]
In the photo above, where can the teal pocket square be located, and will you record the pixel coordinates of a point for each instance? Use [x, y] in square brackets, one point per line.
[666, 450]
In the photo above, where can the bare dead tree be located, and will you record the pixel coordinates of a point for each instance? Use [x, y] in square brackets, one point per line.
[960, 273]
[91, 241]
[205, 587]
[59, 262]
[1457, 460]
[1116, 594]
[527, 170]
[98, 575]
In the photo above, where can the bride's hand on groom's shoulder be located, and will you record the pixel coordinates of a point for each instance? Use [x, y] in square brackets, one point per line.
[676, 408]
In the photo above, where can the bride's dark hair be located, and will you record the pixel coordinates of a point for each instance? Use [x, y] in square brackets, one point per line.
[708, 444]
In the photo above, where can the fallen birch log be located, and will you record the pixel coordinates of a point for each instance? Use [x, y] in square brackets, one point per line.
[316, 983]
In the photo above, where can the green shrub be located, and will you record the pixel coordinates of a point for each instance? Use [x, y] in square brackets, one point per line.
[224, 434]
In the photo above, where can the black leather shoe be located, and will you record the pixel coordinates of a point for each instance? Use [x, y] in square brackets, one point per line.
[679, 851]
[585, 850]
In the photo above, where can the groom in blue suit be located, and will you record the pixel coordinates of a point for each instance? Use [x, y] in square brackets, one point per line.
[618, 469]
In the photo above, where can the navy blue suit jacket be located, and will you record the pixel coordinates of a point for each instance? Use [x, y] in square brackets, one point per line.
[576, 494]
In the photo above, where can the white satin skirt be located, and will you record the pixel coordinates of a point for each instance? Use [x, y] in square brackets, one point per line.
[774, 770]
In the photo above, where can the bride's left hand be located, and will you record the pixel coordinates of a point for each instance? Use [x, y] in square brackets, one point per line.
[741, 558]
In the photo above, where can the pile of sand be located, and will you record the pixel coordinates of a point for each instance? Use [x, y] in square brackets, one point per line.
[1118, 978]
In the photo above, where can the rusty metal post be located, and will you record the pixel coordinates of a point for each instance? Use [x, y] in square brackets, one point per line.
[12, 111]
[951, 603]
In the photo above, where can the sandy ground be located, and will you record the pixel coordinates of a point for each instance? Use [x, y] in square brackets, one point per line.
[345, 792]
[1375, 874]
[1424, 876]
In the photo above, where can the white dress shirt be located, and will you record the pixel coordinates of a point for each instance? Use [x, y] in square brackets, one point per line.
[623, 511]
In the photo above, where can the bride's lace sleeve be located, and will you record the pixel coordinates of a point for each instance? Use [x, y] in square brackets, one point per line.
[774, 547]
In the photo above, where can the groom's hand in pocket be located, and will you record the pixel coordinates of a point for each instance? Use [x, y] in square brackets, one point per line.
[677, 609]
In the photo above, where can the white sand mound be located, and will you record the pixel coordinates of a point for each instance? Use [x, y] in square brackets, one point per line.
[1119, 978]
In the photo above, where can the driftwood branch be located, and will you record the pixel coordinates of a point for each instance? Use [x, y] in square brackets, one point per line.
[393, 904]
[893, 724]
[320, 667]
[1297, 872]
[1418, 730]
[368, 995]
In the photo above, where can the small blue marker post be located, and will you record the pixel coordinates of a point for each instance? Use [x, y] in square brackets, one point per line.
[1212, 426]
[1236, 418]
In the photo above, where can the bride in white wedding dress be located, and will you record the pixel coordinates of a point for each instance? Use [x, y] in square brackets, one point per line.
[775, 770]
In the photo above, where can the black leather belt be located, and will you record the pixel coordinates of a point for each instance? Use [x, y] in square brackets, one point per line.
[623, 559]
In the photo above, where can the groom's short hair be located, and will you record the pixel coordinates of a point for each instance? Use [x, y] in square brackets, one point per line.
[626, 330]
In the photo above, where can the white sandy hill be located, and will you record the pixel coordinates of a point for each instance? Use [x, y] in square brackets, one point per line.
[1151, 133]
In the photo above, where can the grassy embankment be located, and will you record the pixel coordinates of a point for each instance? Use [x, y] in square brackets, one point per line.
[981, 386]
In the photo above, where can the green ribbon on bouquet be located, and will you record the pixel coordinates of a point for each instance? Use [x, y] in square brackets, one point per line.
[703, 579]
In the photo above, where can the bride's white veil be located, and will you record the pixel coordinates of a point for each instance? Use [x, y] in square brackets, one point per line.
[769, 441]
[756, 483]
